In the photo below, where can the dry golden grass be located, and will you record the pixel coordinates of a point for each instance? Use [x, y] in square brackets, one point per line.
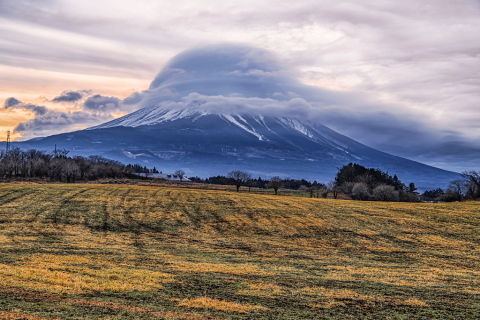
[91, 251]
[17, 315]
[208, 303]
[73, 274]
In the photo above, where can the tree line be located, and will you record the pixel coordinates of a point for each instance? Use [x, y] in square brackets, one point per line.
[353, 180]
[58, 166]
[239, 178]
[467, 188]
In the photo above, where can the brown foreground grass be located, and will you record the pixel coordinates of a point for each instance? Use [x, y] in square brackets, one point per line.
[91, 251]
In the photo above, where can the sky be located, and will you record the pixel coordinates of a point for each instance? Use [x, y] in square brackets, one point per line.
[399, 76]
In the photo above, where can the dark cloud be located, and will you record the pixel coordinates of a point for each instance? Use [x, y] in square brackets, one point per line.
[39, 110]
[102, 103]
[96, 109]
[68, 96]
[11, 102]
[134, 98]
[402, 135]
[53, 122]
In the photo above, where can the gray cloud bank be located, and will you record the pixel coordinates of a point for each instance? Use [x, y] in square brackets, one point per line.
[89, 110]
[101, 103]
[71, 96]
[12, 103]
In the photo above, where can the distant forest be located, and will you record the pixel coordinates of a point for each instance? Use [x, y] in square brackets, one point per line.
[352, 180]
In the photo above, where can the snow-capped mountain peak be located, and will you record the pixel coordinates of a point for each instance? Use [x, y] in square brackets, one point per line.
[250, 123]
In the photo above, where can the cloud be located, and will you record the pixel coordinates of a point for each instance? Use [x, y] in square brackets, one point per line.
[39, 110]
[83, 109]
[94, 110]
[134, 98]
[224, 83]
[298, 108]
[102, 103]
[54, 122]
[11, 102]
[406, 135]
[71, 96]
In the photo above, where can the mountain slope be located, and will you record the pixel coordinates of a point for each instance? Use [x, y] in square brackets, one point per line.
[206, 143]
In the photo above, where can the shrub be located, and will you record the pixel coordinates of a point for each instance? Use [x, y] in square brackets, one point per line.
[385, 193]
[360, 191]
[406, 196]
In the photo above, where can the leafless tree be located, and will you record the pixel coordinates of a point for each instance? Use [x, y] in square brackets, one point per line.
[346, 187]
[456, 191]
[15, 157]
[71, 170]
[474, 179]
[60, 153]
[275, 183]
[385, 193]
[84, 166]
[180, 173]
[146, 174]
[56, 168]
[239, 178]
[321, 191]
[250, 184]
[57, 165]
[360, 191]
[333, 188]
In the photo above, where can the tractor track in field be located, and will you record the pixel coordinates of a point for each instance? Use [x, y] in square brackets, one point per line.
[15, 198]
[64, 201]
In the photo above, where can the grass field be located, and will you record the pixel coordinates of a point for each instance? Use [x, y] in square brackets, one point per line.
[89, 251]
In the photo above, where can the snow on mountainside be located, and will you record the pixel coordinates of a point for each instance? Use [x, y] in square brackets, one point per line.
[193, 112]
[153, 115]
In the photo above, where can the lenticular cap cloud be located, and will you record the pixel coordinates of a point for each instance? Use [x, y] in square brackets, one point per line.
[230, 71]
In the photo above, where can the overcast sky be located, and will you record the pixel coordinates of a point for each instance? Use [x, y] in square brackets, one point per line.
[407, 72]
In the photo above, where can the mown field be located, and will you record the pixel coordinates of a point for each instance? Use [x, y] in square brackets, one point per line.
[89, 251]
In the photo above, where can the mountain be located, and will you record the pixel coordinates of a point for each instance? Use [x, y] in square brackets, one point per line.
[206, 143]
[217, 109]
